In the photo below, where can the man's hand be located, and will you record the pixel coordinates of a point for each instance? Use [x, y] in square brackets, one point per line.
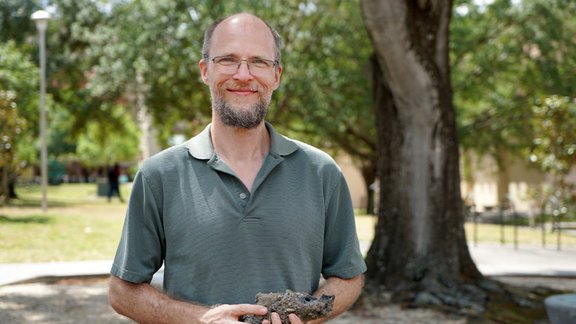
[231, 313]
[275, 319]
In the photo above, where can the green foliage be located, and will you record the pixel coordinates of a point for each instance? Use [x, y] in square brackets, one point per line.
[486, 54]
[20, 75]
[324, 91]
[507, 55]
[73, 108]
[10, 128]
[325, 97]
[554, 145]
[154, 47]
[18, 109]
[15, 22]
[103, 53]
[70, 64]
[100, 145]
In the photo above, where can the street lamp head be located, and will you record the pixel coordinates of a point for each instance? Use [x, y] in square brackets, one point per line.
[41, 18]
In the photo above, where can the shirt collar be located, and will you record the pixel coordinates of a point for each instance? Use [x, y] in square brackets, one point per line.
[201, 148]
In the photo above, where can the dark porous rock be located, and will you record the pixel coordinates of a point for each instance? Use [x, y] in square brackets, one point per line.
[305, 306]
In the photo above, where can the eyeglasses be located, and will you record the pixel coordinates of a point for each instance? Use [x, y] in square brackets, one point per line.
[231, 64]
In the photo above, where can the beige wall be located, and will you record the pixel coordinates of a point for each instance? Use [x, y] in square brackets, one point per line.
[519, 183]
[355, 181]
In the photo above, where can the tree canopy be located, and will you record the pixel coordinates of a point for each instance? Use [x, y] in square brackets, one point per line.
[324, 98]
[505, 57]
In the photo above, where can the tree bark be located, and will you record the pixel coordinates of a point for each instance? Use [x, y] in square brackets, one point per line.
[148, 142]
[419, 251]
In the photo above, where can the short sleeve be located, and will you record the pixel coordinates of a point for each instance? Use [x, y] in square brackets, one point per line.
[141, 249]
[342, 255]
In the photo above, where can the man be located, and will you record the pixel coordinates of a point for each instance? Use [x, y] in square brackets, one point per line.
[114, 182]
[238, 209]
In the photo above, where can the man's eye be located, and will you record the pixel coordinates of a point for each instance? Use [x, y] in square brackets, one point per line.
[260, 62]
[227, 61]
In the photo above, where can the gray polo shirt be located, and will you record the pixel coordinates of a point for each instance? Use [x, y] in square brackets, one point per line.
[221, 243]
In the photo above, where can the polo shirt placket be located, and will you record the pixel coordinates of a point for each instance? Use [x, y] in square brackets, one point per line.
[238, 189]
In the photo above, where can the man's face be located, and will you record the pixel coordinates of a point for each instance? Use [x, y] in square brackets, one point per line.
[240, 98]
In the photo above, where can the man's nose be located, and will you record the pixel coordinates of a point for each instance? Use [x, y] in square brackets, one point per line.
[243, 72]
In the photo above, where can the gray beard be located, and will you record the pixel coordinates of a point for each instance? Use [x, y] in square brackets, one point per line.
[247, 119]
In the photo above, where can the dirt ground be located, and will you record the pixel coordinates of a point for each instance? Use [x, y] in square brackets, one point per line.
[84, 300]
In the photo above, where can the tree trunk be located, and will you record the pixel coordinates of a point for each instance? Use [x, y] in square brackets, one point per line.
[369, 171]
[419, 251]
[148, 143]
[4, 195]
[503, 179]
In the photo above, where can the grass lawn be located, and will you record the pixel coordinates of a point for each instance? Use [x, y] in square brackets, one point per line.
[486, 233]
[79, 225]
[524, 235]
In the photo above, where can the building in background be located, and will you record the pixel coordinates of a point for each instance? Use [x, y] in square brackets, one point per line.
[519, 188]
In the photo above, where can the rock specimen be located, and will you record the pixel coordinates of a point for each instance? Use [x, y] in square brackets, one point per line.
[307, 307]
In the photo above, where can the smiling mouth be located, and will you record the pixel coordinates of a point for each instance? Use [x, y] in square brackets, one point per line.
[242, 91]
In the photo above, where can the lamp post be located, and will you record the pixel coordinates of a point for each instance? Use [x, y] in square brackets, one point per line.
[41, 18]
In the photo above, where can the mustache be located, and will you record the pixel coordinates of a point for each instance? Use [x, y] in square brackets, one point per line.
[243, 86]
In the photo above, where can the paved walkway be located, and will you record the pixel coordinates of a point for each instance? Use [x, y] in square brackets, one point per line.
[491, 259]
[495, 259]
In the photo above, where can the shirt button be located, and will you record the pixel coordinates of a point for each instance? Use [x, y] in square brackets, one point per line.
[243, 196]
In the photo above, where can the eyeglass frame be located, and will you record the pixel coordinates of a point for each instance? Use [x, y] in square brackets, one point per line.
[275, 63]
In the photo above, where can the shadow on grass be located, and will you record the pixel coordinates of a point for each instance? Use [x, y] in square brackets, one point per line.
[25, 220]
[35, 203]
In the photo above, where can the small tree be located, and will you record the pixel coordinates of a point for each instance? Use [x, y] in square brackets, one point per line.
[10, 127]
[553, 147]
[18, 110]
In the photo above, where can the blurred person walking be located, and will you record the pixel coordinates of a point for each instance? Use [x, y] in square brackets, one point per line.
[114, 182]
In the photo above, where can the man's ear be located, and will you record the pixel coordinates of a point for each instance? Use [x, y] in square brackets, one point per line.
[203, 70]
[277, 75]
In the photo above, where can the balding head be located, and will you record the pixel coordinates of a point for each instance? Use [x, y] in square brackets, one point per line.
[239, 20]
